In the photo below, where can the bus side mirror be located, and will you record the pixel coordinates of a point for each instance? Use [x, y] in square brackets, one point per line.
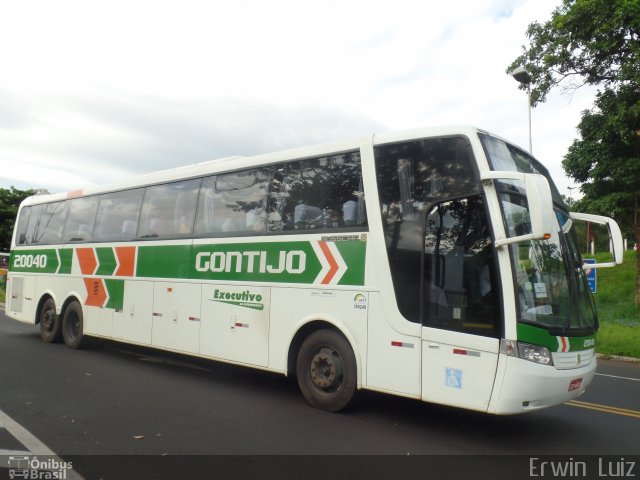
[615, 236]
[539, 200]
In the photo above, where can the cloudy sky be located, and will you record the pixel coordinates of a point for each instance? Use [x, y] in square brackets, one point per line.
[91, 92]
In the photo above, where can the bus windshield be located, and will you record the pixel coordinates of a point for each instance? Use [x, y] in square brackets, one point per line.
[551, 287]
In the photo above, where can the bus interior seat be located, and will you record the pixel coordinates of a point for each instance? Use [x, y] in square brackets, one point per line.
[304, 215]
[350, 212]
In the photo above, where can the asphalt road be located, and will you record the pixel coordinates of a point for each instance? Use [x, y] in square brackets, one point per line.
[102, 405]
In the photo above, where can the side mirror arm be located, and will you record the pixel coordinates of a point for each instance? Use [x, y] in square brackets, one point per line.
[615, 235]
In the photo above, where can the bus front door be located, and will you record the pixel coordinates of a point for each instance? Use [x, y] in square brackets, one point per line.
[459, 305]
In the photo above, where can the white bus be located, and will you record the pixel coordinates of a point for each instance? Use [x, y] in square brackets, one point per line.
[437, 264]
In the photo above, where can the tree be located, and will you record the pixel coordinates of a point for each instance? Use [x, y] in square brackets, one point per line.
[606, 158]
[596, 42]
[593, 42]
[10, 200]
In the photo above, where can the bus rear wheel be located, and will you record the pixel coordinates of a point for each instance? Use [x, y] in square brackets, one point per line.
[50, 324]
[72, 326]
[326, 370]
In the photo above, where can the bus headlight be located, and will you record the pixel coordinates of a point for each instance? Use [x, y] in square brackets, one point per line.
[526, 351]
[534, 353]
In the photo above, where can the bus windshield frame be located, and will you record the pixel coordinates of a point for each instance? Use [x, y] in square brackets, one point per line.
[551, 287]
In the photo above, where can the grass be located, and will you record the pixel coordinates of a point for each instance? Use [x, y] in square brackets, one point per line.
[619, 332]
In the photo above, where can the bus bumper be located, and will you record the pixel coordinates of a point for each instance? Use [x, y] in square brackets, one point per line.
[528, 386]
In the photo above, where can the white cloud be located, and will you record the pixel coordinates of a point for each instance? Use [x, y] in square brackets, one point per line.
[92, 92]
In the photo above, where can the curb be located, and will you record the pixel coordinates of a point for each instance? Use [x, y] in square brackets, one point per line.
[617, 358]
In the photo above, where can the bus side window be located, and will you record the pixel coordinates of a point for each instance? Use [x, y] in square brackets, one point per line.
[117, 216]
[233, 203]
[30, 235]
[52, 223]
[168, 210]
[319, 193]
[79, 224]
[21, 229]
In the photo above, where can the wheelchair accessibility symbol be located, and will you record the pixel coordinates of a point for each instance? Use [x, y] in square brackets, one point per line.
[453, 377]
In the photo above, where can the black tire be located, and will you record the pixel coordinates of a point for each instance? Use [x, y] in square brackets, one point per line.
[326, 370]
[50, 324]
[72, 326]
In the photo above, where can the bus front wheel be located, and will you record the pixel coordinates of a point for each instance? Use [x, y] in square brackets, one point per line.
[72, 326]
[326, 370]
[50, 323]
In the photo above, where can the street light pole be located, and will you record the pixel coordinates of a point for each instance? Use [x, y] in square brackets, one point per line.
[523, 76]
[529, 108]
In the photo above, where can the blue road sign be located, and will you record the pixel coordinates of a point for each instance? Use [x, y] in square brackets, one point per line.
[591, 275]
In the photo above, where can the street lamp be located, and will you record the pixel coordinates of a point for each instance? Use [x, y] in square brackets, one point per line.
[523, 76]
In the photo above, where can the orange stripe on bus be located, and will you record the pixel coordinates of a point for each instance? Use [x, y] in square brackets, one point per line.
[87, 260]
[333, 265]
[75, 193]
[96, 292]
[126, 261]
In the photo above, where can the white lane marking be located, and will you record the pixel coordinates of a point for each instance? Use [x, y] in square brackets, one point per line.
[13, 453]
[616, 376]
[34, 446]
[23, 435]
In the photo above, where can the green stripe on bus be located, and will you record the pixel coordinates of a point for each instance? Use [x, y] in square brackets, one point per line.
[279, 262]
[302, 262]
[66, 258]
[167, 261]
[115, 290]
[353, 252]
[542, 337]
[106, 261]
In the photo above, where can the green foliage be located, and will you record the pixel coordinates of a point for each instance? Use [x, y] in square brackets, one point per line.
[617, 339]
[10, 200]
[594, 42]
[614, 297]
[606, 159]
